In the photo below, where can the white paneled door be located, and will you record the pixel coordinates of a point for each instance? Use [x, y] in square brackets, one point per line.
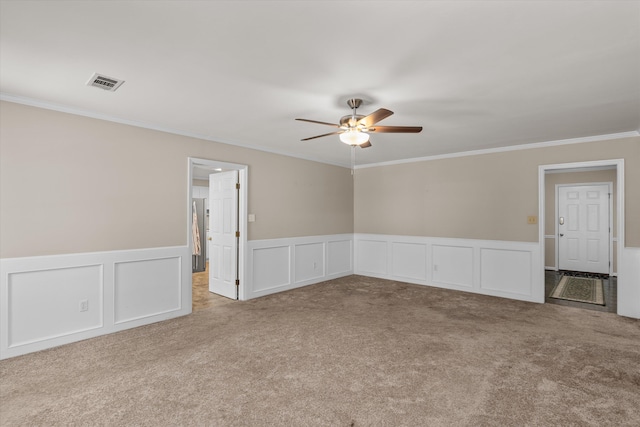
[583, 228]
[223, 233]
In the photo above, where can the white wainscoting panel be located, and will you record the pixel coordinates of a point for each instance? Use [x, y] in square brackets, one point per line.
[340, 257]
[498, 268]
[371, 257]
[409, 260]
[629, 283]
[53, 300]
[514, 275]
[309, 261]
[135, 281]
[453, 266]
[271, 267]
[276, 265]
[46, 304]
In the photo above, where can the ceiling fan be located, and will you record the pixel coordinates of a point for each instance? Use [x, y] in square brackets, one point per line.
[355, 128]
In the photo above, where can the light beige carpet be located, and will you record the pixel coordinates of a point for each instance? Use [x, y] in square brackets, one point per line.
[353, 351]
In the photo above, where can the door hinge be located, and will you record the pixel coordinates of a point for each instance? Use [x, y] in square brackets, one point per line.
[237, 234]
[237, 185]
[237, 282]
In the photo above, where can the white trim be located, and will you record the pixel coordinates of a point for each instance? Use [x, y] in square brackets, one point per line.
[601, 168]
[581, 140]
[30, 323]
[625, 308]
[80, 112]
[243, 177]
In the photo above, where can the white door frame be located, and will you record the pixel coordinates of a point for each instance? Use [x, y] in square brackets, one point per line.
[557, 214]
[542, 169]
[243, 176]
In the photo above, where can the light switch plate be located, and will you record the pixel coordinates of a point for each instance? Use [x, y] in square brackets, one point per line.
[252, 217]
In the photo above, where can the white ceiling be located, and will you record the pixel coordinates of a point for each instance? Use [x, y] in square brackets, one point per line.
[475, 74]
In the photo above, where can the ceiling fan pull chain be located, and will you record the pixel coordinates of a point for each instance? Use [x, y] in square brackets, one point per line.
[353, 160]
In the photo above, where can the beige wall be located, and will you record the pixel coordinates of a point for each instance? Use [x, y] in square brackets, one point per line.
[486, 196]
[72, 184]
[553, 179]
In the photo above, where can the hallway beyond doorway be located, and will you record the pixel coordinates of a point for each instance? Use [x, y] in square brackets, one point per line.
[201, 296]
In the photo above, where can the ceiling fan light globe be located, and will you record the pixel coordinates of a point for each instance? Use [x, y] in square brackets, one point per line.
[354, 137]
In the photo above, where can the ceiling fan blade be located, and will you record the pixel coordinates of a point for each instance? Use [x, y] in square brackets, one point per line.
[320, 123]
[375, 117]
[365, 145]
[396, 129]
[320, 136]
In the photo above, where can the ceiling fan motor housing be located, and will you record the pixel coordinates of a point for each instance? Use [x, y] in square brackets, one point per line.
[350, 120]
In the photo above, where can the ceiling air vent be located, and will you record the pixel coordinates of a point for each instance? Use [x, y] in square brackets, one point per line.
[104, 82]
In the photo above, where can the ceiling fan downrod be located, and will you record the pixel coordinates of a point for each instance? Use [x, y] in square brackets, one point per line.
[354, 103]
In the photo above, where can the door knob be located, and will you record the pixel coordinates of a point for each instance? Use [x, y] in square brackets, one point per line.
[209, 238]
[560, 236]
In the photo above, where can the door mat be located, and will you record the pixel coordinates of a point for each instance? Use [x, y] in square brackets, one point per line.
[584, 274]
[580, 289]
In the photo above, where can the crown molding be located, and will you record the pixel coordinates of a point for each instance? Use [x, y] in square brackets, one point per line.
[91, 114]
[80, 112]
[530, 146]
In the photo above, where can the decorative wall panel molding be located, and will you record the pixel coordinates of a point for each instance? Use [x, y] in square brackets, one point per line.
[338, 264]
[40, 307]
[452, 266]
[629, 283]
[276, 265]
[507, 272]
[498, 268]
[52, 300]
[407, 260]
[270, 267]
[135, 281]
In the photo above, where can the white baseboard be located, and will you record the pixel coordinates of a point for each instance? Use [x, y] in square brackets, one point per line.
[277, 265]
[498, 268]
[52, 300]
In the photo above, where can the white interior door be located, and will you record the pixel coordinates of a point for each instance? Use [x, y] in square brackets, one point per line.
[583, 228]
[223, 237]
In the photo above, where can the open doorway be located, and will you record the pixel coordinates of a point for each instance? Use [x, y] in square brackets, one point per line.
[580, 237]
[203, 172]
